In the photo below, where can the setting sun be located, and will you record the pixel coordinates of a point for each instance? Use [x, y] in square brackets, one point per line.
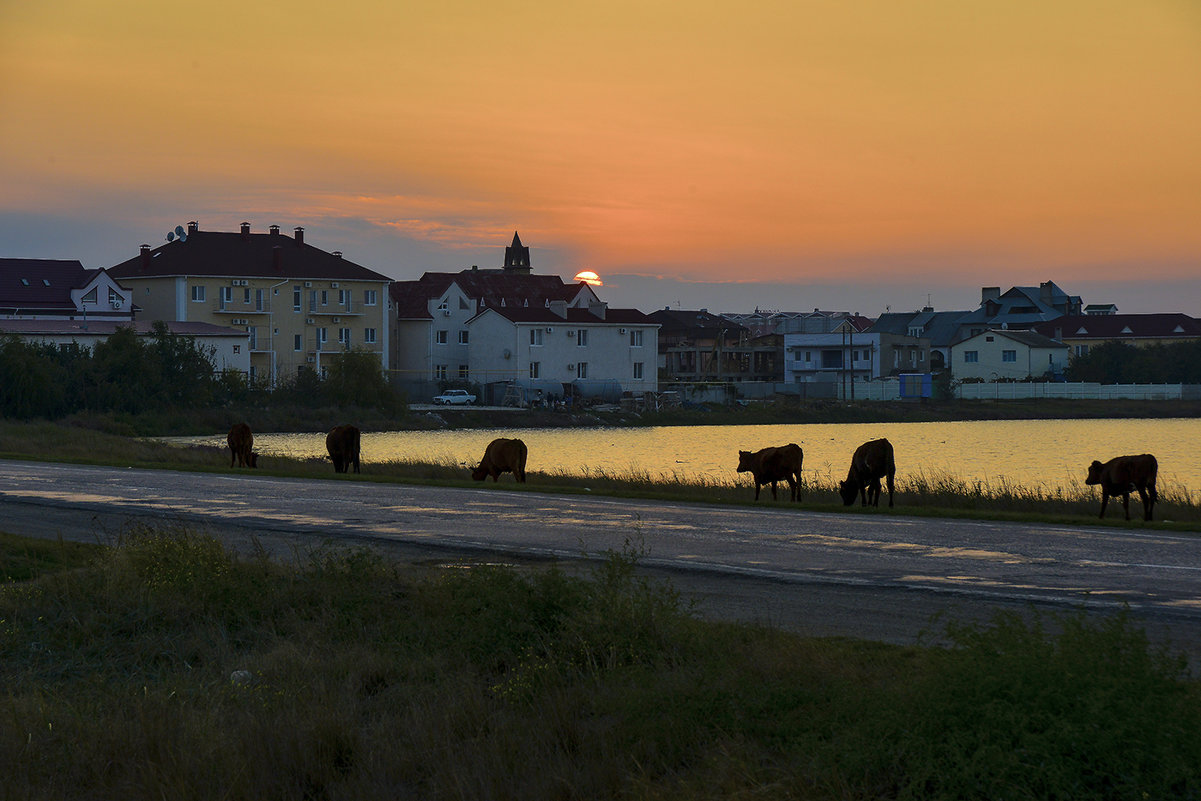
[589, 277]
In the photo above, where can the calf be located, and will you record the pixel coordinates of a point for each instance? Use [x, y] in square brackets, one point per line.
[502, 456]
[1121, 475]
[782, 463]
[870, 462]
[342, 442]
[240, 442]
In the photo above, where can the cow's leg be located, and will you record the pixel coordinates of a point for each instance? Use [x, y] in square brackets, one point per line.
[1152, 498]
[889, 479]
[792, 489]
[1126, 503]
[757, 486]
[774, 497]
[1142, 496]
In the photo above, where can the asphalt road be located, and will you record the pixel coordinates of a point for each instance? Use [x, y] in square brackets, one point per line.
[879, 576]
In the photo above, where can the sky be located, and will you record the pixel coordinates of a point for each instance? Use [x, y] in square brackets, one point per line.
[795, 154]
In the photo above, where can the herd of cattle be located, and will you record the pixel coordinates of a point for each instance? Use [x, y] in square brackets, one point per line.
[872, 462]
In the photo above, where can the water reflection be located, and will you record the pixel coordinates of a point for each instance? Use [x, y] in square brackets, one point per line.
[1027, 453]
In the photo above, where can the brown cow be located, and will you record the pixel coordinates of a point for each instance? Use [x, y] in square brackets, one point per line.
[1121, 475]
[502, 456]
[870, 462]
[342, 442]
[770, 465]
[240, 442]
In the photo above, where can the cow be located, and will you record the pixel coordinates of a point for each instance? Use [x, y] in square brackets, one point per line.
[871, 461]
[770, 465]
[342, 442]
[240, 442]
[502, 456]
[1122, 475]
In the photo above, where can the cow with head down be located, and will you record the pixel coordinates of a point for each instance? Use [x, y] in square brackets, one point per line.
[502, 456]
[342, 442]
[871, 462]
[240, 442]
[770, 465]
[1121, 476]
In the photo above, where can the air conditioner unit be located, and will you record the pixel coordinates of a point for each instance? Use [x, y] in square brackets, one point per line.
[333, 284]
[446, 312]
[622, 331]
[337, 319]
[570, 333]
[308, 284]
[309, 321]
[310, 359]
[570, 367]
[116, 304]
[550, 329]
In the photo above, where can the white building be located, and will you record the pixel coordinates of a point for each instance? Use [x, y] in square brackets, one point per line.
[1003, 354]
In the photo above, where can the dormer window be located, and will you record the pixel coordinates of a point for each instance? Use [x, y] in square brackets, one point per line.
[90, 297]
[45, 282]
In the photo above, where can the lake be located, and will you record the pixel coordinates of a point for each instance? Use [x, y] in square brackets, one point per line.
[1030, 453]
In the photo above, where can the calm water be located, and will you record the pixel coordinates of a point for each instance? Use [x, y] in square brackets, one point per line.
[1032, 453]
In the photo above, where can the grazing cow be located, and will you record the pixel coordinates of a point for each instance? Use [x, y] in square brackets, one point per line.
[770, 465]
[1122, 475]
[240, 442]
[502, 456]
[342, 442]
[871, 462]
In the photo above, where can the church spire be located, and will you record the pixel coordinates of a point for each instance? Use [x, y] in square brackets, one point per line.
[517, 257]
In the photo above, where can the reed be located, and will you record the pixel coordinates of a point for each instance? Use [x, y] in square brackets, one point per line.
[163, 665]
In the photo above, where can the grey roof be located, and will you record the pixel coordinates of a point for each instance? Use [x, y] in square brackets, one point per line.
[94, 327]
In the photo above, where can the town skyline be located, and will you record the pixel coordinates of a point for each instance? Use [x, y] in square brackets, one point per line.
[785, 156]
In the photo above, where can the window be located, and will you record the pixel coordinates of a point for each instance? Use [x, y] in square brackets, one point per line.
[295, 298]
[463, 337]
[325, 297]
[197, 294]
[369, 297]
[227, 296]
[581, 338]
[462, 371]
[443, 306]
[808, 356]
[312, 300]
[254, 336]
[971, 356]
[440, 337]
[581, 370]
[237, 348]
[258, 299]
[344, 337]
[637, 370]
[535, 336]
[369, 336]
[1009, 355]
[535, 369]
[988, 339]
[298, 342]
[343, 297]
[322, 337]
[636, 338]
[246, 294]
[1082, 350]
[440, 371]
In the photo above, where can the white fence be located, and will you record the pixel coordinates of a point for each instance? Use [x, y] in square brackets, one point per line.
[1006, 391]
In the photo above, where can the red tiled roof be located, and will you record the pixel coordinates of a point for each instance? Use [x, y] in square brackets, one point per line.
[491, 287]
[249, 255]
[544, 316]
[107, 327]
[1122, 326]
[41, 283]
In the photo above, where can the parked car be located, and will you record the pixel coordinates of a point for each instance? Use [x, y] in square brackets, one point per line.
[455, 397]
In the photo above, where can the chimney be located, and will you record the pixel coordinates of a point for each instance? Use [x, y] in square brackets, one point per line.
[988, 293]
[1044, 292]
[337, 254]
[299, 236]
[274, 230]
[246, 231]
[193, 227]
[277, 256]
[559, 307]
[145, 257]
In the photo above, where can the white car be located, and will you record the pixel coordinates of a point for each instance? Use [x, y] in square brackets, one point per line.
[455, 397]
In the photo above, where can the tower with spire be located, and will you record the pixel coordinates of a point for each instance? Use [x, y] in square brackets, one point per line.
[517, 257]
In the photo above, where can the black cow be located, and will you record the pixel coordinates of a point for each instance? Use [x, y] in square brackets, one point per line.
[502, 456]
[342, 442]
[870, 462]
[240, 442]
[782, 463]
[1122, 475]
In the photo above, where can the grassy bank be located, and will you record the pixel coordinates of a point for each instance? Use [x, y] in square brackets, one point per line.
[166, 667]
[197, 422]
[921, 493]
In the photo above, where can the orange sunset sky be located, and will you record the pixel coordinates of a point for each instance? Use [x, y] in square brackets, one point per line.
[832, 153]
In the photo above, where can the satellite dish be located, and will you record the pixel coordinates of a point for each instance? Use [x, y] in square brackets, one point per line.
[183, 237]
[170, 236]
[179, 231]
